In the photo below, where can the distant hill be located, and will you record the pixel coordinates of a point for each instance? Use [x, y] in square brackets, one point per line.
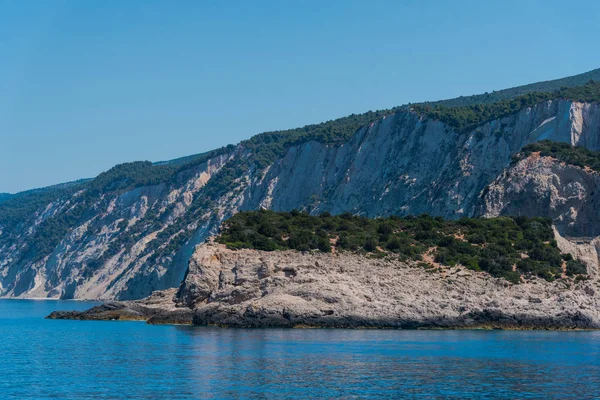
[544, 86]
[464, 118]
[4, 196]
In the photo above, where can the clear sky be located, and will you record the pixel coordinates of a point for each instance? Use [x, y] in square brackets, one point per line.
[85, 85]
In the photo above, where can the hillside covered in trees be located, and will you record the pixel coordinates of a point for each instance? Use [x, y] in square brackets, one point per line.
[465, 118]
[504, 94]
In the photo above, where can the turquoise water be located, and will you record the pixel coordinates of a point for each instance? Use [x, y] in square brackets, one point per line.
[45, 359]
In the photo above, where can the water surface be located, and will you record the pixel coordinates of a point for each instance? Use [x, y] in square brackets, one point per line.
[49, 359]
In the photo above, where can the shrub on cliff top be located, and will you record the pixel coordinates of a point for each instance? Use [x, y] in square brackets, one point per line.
[573, 155]
[505, 247]
[465, 118]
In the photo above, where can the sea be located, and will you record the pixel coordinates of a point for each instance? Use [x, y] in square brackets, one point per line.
[58, 359]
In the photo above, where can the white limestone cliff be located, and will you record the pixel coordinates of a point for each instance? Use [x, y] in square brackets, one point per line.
[401, 164]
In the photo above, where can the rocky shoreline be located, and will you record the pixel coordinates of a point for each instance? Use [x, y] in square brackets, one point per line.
[257, 289]
[121, 311]
[158, 308]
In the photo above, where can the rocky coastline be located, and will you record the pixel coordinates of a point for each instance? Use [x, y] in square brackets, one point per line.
[258, 289]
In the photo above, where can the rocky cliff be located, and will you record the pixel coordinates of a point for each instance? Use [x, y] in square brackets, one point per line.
[250, 288]
[538, 185]
[126, 238]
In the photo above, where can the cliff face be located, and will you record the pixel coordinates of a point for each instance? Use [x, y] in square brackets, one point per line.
[260, 289]
[128, 244]
[545, 186]
[405, 165]
[79, 267]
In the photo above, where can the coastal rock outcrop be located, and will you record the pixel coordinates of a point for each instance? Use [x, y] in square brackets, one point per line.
[259, 289]
[157, 308]
[251, 288]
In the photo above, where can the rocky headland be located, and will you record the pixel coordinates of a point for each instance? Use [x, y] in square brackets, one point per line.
[252, 288]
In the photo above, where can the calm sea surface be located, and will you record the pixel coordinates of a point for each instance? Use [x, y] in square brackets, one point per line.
[80, 359]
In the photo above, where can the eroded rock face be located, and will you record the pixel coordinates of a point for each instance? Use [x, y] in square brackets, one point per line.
[401, 164]
[585, 249]
[545, 186]
[82, 265]
[250, 288]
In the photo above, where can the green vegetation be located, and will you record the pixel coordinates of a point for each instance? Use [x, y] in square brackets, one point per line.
[266, 147]
[573, 155]
[499, 95]
[465, 118]
[4, 197]
[504, 247]
[130, 175]
[16, 208]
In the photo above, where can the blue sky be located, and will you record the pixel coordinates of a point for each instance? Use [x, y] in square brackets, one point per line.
[85, 85]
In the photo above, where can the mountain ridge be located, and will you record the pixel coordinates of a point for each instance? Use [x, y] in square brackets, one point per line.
[133, 229]
[504, 94]
[542, 86]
